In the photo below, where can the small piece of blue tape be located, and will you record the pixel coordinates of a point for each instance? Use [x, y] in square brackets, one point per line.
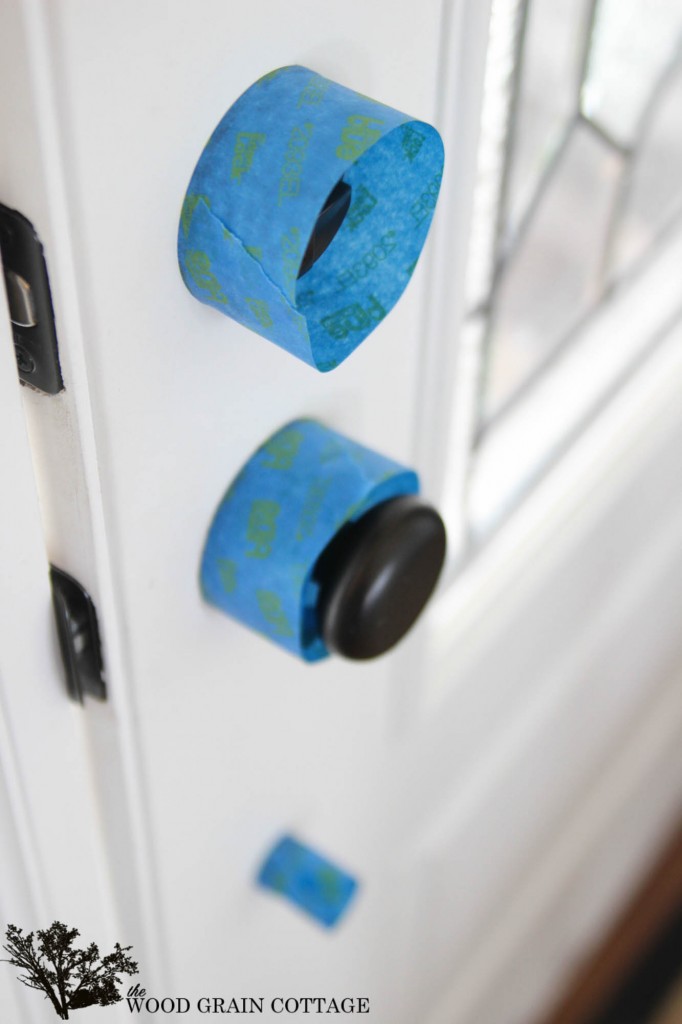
[277, 517]
[310, 881]
[256, 194]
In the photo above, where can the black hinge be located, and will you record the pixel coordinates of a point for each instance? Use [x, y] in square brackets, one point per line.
[30, 303]
[78, 637]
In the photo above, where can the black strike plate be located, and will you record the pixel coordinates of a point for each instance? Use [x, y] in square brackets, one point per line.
[78, 637]
[30, 303]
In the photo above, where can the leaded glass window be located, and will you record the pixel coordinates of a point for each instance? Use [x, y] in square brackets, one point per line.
[575, 250]
[580, 175]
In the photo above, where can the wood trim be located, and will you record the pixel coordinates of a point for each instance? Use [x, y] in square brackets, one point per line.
[654, 906]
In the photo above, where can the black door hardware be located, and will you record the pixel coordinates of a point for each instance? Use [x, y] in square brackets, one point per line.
[78, 637]
[30, 303]
[377, 574]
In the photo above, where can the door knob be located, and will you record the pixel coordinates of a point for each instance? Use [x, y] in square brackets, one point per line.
[376, 576]
[321, 545]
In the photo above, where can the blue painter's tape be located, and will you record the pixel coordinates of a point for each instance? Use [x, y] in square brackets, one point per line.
[309, 880]
[255, 196]
[277, 517]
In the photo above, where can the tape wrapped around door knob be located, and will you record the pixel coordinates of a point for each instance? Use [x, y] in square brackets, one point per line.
[307, 212]
[321, 545]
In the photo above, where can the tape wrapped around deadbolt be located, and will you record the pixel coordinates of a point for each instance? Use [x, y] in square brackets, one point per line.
[285, 506]
[259, 187]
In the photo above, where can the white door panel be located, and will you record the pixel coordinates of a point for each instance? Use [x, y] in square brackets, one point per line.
[220, 742]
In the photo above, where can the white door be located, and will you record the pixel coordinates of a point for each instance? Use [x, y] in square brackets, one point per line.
[450, 776]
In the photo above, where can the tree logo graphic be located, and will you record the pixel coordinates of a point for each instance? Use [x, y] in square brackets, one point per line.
[70, 978]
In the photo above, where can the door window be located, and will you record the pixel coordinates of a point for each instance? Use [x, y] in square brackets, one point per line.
[576, 240]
